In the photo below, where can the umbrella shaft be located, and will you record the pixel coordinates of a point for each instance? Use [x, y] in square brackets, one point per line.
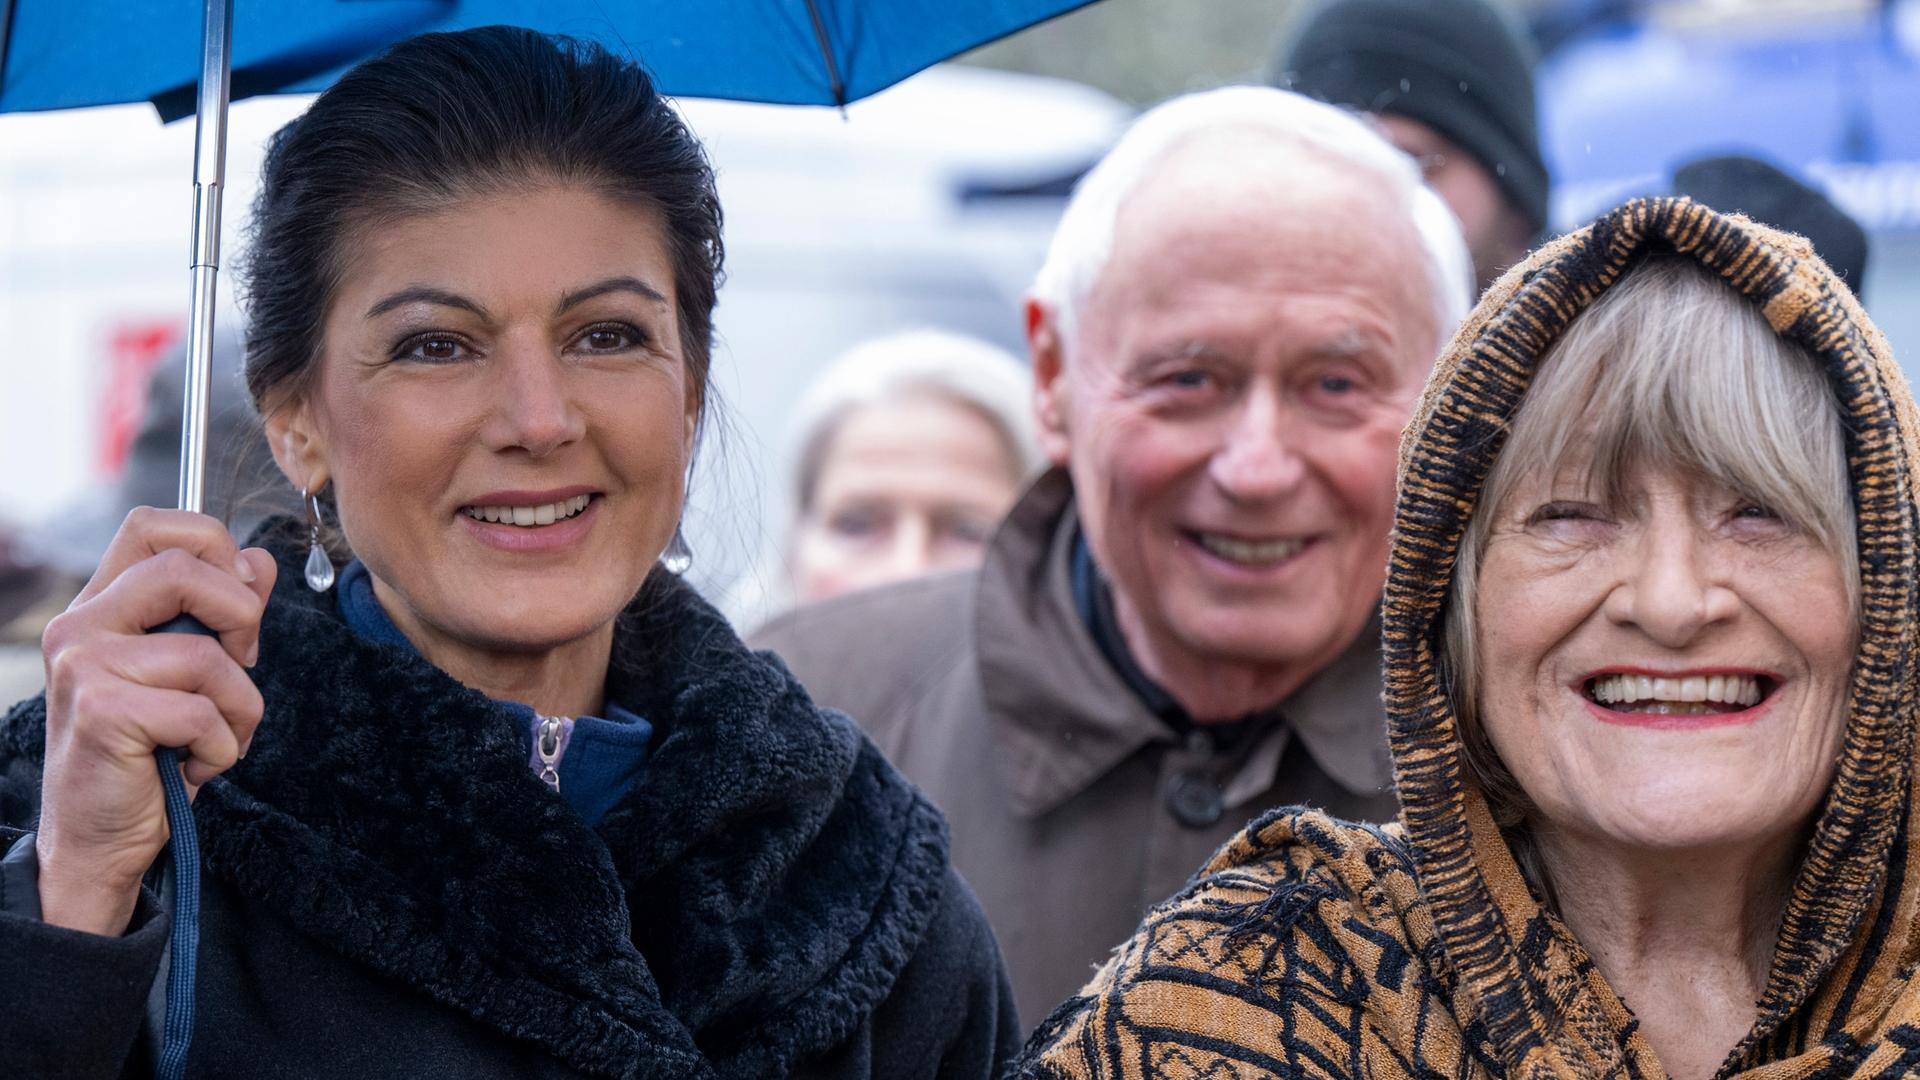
[209, 177]
[194, 406]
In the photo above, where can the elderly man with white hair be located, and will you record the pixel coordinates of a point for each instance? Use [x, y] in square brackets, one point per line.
[1174, 629]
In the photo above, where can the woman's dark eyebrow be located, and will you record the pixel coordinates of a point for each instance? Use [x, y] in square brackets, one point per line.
[613, 284]
[429, 295]
[418, 294]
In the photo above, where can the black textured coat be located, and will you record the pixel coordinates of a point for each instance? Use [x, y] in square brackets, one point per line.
[389, 891]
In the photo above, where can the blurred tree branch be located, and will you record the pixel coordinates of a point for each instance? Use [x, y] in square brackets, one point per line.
[1148, 50]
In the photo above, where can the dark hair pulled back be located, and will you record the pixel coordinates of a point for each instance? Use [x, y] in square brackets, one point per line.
[445, 116]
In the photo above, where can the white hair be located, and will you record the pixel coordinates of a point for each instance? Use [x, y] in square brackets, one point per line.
[966, 370]
[1083, 242]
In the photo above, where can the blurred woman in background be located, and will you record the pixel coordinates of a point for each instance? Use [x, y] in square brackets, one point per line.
[909, 449]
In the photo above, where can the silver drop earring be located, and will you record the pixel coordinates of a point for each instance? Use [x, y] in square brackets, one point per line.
[678, 556]
[319, 566]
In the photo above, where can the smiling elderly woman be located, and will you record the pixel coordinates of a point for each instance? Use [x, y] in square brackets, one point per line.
[1650, 641]
[515, 801]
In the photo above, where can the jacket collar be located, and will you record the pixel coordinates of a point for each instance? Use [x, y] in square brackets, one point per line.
[1066, 718]
[745, 907]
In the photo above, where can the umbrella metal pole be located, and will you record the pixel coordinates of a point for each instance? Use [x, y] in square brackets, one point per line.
[209, 180]
[209, 177]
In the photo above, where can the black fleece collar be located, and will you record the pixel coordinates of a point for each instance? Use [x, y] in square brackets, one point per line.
[775, 873]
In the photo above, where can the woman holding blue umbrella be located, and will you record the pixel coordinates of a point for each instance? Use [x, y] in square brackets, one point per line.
[500, 795]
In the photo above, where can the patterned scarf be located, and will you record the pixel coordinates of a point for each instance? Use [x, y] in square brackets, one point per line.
[1313, 948]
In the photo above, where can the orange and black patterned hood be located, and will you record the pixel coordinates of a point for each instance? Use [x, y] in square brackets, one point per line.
[1847, 940]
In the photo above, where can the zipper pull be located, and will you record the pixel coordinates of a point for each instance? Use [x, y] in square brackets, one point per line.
[549, 744]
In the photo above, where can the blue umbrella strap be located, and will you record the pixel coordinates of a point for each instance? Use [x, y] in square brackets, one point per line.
[177, 1035]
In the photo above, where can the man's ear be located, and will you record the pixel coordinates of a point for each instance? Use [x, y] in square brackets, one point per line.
[1050, 388]
[298, 446]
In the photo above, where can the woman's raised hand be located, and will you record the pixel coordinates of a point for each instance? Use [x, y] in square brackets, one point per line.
[115, 693]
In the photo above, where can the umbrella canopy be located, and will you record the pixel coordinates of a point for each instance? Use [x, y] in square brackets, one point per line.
[63, 54]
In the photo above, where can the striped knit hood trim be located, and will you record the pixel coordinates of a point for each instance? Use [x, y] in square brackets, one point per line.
[1848, 930]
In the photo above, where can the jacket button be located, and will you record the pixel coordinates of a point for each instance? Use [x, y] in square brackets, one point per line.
[1195, 800]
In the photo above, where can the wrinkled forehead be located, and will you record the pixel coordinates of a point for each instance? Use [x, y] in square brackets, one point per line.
[1278, 187]
[1303, 222]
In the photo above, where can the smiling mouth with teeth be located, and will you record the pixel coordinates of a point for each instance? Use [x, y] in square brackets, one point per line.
[1249, 552]
[1690, 695]
[529, 517]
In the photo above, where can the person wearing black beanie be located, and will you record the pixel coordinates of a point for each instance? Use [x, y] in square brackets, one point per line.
[1740, 184]
[1451, 83]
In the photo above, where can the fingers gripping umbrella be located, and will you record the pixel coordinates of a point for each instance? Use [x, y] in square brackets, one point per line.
[96, 52]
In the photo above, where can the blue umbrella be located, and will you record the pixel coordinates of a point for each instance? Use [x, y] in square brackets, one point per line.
[186, 57]
[71, 53]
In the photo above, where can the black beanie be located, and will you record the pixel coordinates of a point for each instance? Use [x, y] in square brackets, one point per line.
[1456, 66]
[1737, 184]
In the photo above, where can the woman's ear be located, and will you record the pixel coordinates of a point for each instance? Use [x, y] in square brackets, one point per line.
[696, 398]
[298, 446]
